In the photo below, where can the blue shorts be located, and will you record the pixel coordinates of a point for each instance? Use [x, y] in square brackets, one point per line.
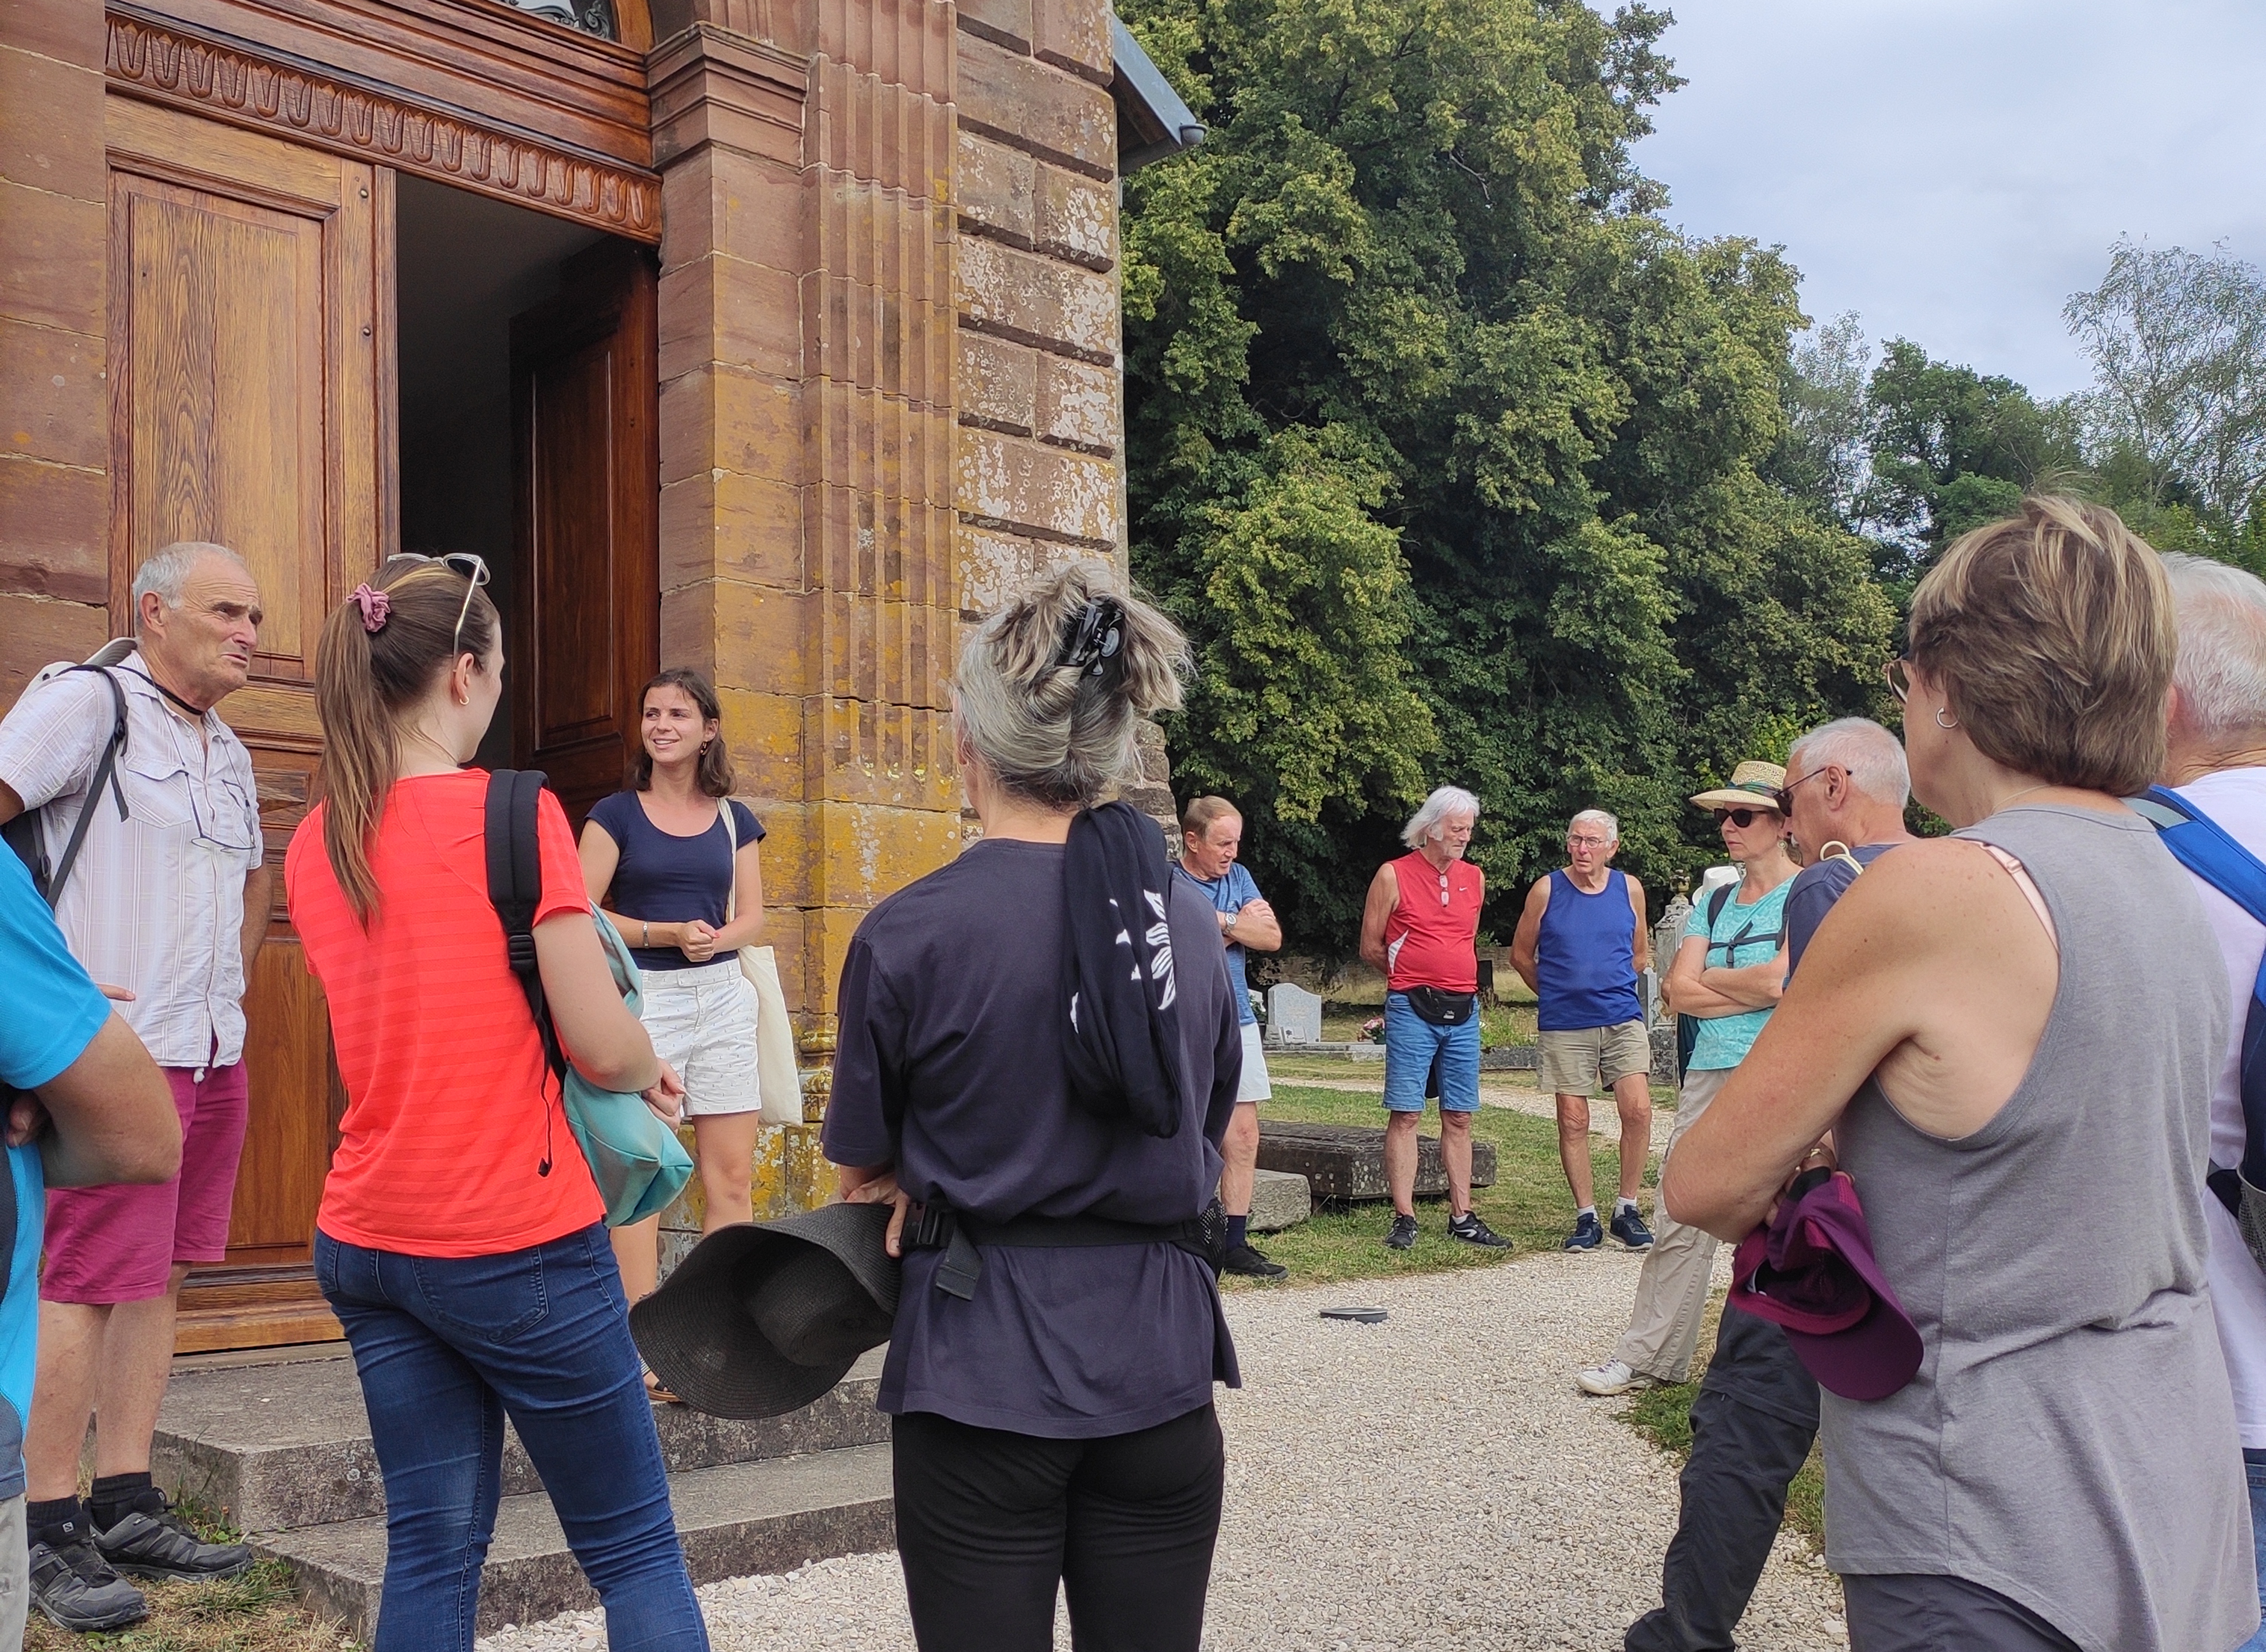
[1412, 1043]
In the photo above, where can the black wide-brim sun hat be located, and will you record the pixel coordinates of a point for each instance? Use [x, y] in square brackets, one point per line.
[762, 1318]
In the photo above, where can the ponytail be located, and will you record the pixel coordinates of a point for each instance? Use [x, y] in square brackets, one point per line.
[376, 659]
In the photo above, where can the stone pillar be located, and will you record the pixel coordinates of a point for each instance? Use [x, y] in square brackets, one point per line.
[54, 433]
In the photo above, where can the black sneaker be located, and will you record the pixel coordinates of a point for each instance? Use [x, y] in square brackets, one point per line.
[75, 1588]
[1587, 1234]
[1468, 1228]
[1242, 1259]
[159, 1544]
[1630, 1230]
[1403, 1235]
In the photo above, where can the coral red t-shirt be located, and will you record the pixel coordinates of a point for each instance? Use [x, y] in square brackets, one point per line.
[450, 1110]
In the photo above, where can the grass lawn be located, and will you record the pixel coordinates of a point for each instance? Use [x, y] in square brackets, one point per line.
[1528, 1205]
[255, 1612]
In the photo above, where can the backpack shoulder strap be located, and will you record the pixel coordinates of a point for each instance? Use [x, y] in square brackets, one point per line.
[1715, 903]
[106, 772]
[515, 888]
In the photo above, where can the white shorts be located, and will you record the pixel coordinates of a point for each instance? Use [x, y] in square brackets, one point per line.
[702, 1023]
[1254, 1086]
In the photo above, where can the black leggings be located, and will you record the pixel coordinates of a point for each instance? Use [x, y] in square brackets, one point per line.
[988, 1522]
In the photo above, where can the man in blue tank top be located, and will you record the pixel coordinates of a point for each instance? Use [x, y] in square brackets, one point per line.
[1582, 946]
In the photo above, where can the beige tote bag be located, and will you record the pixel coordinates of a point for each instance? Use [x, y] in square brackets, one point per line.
[778, 1080]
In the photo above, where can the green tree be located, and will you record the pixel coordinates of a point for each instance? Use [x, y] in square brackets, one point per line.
[1446, 449]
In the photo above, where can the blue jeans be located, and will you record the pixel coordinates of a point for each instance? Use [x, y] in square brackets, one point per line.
[1413, 1045]
[446, 1347]
[2254, 1470]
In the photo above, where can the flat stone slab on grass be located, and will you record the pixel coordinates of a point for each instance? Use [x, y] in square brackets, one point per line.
[1344, 1164]
[1278, 1200]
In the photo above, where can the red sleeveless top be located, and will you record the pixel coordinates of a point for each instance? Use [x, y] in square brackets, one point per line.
[1430, 940]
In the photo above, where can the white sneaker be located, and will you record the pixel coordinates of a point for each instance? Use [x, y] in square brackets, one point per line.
[1614, 1377]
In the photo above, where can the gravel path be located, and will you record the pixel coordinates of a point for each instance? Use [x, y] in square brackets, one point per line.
[1436, 1481]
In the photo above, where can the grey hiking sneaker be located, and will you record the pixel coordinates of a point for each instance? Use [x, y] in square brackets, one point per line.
[157, 1543]
[1403, 1235]
[75, 1588]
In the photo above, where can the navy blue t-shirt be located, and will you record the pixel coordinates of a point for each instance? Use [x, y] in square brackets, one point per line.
[1815, 889]
[951, 1066]
[665, 879]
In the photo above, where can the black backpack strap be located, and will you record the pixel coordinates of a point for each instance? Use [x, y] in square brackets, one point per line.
[1716, 906]
[515, 888]
[50, 880]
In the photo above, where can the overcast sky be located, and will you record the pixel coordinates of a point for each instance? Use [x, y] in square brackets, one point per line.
[1953, 170]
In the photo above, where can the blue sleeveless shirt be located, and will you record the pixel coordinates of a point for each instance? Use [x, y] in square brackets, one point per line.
[1586, 957]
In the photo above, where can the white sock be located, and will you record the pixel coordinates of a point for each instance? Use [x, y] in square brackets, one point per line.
[1587, 1209]
[1623, 1207]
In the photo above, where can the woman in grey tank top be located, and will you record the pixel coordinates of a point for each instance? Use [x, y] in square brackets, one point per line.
[2011, 1034]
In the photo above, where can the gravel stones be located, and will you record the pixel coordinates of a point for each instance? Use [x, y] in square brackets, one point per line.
[1434, 1481]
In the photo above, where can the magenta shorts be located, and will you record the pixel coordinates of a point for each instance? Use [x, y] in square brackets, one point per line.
[118, 1244]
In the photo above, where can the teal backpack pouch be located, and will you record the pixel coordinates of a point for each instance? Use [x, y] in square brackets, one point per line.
[637, 1161]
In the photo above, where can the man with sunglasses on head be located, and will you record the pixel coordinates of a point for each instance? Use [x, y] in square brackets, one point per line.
[1757, 1412]
[1582, 946]
[1729, 972]
[166, 900]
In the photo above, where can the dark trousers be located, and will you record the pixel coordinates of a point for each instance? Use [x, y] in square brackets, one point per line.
[1914, 1613]
[989, 1521]
[1751, 1429]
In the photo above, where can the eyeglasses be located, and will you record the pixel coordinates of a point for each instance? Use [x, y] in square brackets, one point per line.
[1899, 676]
[469, 566]
[1786, 792]
[1741, 818]
[1587, 842]
[1443, 886]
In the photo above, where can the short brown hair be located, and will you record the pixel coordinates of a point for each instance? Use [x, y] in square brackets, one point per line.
[1196, 819]
[714, 776]
[2053, 633]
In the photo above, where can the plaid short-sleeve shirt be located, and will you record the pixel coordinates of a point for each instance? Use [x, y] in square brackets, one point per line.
[155, 903]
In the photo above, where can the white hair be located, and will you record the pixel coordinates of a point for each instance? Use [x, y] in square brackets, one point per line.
[1599, 817]
[1872, 756]
[167, 570]
[1425, 824]
[2221, 670]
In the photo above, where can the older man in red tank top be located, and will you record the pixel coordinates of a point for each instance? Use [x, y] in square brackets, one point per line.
[1420, 928]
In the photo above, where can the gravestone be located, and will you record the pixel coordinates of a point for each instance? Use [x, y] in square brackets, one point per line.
[1278, 1200]
[1294, 1016]
[1344, 1164]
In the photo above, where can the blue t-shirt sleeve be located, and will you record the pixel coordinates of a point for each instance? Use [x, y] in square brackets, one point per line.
[56, 1010]
[607, 812]
[1241, 888]
[750, 829]
[1815, 891]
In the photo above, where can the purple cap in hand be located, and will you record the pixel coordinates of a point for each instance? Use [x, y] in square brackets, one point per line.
[1812, 1271]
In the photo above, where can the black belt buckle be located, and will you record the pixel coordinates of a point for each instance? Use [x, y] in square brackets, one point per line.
[928, 1227]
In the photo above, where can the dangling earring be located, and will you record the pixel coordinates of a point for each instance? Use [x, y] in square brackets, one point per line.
[1940, 723]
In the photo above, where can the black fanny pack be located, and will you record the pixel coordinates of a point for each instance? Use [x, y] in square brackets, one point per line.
[936, 1227]
[1440, 1007]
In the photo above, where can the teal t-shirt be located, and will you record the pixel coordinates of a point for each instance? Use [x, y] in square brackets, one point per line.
[1742, 935]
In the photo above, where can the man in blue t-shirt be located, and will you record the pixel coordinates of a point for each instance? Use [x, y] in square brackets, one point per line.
[1211, 835]
[84, 1097]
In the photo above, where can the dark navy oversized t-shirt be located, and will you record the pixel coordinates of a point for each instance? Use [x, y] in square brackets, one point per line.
[950, 1065]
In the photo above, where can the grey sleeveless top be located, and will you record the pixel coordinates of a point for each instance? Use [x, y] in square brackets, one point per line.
[2070, 1439]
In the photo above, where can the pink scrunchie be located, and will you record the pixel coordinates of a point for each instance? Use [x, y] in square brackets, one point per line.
[376, 605]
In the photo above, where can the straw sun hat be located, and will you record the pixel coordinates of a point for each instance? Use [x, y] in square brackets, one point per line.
[1753, 786]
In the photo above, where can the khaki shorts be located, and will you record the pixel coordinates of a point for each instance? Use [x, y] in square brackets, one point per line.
[1576, 1062]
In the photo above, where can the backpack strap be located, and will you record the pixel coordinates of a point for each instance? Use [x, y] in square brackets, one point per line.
[1716, 905]
[2208, 852]
[515, 888]
[50, 880]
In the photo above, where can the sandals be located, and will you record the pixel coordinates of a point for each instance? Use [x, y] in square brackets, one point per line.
[658, 1394]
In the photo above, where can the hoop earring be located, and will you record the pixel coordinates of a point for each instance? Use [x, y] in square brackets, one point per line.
[1940, 723]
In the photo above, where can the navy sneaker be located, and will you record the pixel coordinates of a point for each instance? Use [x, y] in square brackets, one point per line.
[1587, 1234]
[1630, 1230]
[1403, 1235]
[1468, 1228]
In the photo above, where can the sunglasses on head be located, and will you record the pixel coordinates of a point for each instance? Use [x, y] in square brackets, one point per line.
[1899, 676]
[471, 569]
[1741, 818]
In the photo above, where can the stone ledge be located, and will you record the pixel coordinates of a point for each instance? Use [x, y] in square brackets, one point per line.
[1279, 1199]
[1344, 1164]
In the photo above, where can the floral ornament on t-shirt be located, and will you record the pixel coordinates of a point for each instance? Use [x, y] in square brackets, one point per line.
[1161, 950]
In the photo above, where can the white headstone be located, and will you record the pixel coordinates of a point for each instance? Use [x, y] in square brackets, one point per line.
[1294, 1015]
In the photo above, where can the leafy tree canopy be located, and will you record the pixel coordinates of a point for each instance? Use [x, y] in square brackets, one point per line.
[1450, 454]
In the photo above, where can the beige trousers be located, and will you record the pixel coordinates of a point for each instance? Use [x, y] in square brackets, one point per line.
[1671, 1292]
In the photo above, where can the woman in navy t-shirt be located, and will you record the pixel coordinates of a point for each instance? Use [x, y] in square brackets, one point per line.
[1054, 1420]
[659, 858]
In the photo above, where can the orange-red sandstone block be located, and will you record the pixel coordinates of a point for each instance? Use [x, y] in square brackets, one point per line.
[1036, 107]
[51, 125]
[54, 530]
[35, 632]
[1073, 34]
[998, 382]
[1039, 300]
[54, 403]
[1077, 404]
[1027, 485]
[992, 187]
[1074, 217]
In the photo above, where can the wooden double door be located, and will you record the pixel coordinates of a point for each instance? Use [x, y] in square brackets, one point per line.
[251, 324]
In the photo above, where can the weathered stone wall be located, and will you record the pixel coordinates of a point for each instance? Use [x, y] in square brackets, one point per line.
[55, 399]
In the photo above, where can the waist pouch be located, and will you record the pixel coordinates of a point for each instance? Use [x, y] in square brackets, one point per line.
[939, 1228]
[1440, 1007]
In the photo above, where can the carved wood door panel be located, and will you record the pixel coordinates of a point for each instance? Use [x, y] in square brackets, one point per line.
[244, 349]
[585, 626]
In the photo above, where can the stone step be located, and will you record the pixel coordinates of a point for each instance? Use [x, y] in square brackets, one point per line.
[735, 1520]
[1344, 1164]
[277, 1446]
[1278, 1200]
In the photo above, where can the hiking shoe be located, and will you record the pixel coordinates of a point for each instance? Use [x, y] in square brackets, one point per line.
[1403, 1235]
[75, 1588]
[1468, 1228]
[1630, 1230]
[159, 1544]
[1614, 1377]
[1587, 1235]
[1242, 1259]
